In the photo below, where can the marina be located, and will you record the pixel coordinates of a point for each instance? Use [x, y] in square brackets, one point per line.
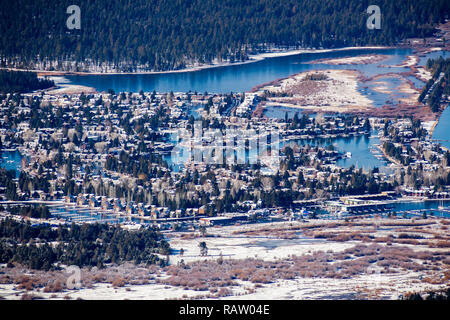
[389, 206]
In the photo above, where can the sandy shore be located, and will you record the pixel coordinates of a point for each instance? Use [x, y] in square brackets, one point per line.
[71, 89]
[430, 126]
[406, 86]
[63, 86]
[361, 59]
[410, 61]
[422, 74]
[338, 93]
[382, 87]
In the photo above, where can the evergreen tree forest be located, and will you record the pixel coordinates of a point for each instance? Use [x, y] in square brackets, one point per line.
[42, 246]
[438, 85]
[31, 211]
[22, 81]
[170, 34]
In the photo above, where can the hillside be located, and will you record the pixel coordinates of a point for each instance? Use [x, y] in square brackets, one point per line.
[171, 34]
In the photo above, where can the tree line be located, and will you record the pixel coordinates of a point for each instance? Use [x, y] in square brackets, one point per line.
[82, 245]
[31, 211]
[22, 81]
[8, 186]
[440, 70]
[170, 34]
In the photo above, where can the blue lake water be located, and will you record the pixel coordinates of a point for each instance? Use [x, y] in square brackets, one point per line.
[417, 83]
[432, 205]
[442, 130]
[237, 78]
[11, 160]
[362, 148]
[279, 112]
[433, 55]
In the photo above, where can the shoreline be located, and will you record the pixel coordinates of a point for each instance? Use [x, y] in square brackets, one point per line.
[252, 59]
[435, 123]
[433, 127]
[389, 158]
[349, 60]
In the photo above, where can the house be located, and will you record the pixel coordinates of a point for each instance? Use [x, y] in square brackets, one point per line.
[42, 195]
[179, 213]
[130, 208]
[69, 199]
[117, 206]
[106, 204]
[154, 213]
[142, 210]
[93, 202]
[81, 200]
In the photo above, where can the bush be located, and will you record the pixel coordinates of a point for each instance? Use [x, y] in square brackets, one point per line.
[223, 292]
[56, 286]
[119, 282]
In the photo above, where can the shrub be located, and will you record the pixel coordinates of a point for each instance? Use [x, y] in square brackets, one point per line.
[27, 283]
[119, 282]
[440, 244]
[56, 286]
[223, 292]
[262, 276]
[27, 296]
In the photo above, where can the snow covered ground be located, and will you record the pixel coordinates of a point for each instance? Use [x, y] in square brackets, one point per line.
[273, 242]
